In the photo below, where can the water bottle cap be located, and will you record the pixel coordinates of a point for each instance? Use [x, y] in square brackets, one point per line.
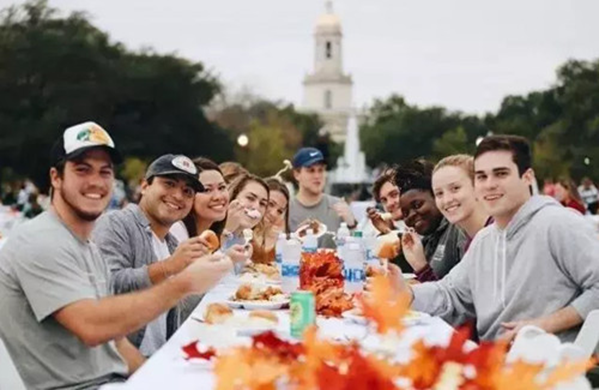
[343, 224]
[282, 236]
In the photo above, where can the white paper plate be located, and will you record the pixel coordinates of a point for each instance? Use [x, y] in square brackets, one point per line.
[413, 317]
[258, 305]
[354, 316]
[416, 317]
[234, 304]
[322, 229]
[249, 277]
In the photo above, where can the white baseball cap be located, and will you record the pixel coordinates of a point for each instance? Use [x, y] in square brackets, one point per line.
[80, 138]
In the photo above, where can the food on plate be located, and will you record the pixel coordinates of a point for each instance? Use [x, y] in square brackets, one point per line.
[313, 224]
[322, 273]
[264, 315]
[332, 302]
[255, 292]
[387, 246]
[218, 313]
[211, 238]
[269, 270]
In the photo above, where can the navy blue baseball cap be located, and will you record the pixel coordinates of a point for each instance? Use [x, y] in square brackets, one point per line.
[176, 165]
[306, 157]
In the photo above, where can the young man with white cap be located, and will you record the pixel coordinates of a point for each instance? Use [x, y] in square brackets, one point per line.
[309, 170]
[59, 324]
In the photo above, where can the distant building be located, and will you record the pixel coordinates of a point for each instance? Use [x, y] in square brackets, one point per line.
[327, 89]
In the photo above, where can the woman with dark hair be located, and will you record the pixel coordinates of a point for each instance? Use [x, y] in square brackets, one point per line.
[275, 221]
[567, 193]
[249, 196]
[443, 243]
[210, 207]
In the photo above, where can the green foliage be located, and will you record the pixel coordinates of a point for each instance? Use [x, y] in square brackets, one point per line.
[57, 71]
[275, 131]
[396, 131]
[133, 169]
[452, 142]
[561, 122]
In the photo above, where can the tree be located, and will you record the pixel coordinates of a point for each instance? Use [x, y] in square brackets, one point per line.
[267, 121]
[57, 71]
[395, 131]
[452, 142]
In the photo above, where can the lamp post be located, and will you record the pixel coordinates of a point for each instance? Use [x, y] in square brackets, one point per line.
[243, 140]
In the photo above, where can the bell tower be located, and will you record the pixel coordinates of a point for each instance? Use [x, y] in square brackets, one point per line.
[327, 89]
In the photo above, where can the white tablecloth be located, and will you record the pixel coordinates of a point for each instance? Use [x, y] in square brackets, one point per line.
[167, 369]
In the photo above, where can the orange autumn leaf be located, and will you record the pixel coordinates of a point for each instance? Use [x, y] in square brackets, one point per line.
[423, 369]
[356, 372]
[316, 353]
[384, 307]
[249, 368]
[519, 376]
[567, 372]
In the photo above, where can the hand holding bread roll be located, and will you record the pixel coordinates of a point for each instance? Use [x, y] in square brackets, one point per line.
[388, 246]
[211, 240]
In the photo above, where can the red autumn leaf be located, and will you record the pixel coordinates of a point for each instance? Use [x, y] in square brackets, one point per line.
[355, 372]
[283, 349]
[192, 352]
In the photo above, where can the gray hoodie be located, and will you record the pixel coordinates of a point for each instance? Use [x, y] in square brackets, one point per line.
[547, 258]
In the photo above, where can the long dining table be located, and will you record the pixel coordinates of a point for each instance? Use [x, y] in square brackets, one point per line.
[168, 369]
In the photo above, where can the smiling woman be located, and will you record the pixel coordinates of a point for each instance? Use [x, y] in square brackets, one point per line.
[210, 205]
[442, 244]
[249, 199]
[275, 221]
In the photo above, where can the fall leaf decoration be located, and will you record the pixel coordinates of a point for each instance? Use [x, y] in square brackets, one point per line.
[317, 364]
[385, 308]
[271, 363]
[565, 372]
[191, 351]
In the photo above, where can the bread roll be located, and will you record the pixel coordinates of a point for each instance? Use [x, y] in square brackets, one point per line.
[388, 246]
[265, 315]
[218, 313]
[212, 239]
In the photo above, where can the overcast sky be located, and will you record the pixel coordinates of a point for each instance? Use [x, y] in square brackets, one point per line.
[464, 55]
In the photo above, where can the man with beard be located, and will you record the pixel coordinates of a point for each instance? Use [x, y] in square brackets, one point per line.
[137, 245]
[59, 324]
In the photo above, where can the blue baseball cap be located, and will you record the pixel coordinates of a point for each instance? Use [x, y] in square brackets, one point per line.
[306, 157]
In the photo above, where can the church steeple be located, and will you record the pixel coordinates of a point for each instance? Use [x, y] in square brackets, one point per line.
[328, 90]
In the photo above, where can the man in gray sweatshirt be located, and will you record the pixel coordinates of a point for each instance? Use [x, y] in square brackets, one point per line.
[537, 264]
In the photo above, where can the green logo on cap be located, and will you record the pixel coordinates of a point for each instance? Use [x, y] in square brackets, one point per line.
[83, 135]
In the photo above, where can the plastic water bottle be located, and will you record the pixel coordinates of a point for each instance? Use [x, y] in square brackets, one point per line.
[279, 249]
[310, 244]
[353, 266]
[290, 265]
[341, 239]
[353, 263]
[372, 261]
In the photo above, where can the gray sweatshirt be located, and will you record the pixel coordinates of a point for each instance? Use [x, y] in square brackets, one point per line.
[547, 258]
